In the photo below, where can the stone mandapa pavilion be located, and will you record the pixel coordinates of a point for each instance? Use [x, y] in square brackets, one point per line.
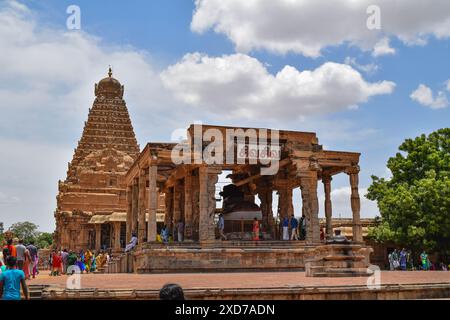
[113, 190]
[190, 195]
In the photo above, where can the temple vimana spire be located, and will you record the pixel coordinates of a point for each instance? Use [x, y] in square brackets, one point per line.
[94, 190]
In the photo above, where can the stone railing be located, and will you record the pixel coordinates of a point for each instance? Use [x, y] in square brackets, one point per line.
[120, 264]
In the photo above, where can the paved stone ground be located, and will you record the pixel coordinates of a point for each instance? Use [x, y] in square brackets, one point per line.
[235, 280]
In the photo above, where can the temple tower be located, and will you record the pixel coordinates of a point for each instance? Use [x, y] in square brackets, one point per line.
[92, 199]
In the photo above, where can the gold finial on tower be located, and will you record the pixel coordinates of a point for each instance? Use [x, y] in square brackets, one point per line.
[110, 72]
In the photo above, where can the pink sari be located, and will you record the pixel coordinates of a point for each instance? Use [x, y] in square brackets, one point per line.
[255, 230]
[26, 265]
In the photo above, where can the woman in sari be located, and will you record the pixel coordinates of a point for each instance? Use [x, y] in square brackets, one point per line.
[27, 264]
[424, 260]
[80, 264]
[87, 260]
[100, 260]
[255, 229]
[93, 263]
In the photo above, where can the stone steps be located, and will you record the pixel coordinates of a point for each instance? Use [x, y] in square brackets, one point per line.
[35, 291]
[323, 271]
[343, 257]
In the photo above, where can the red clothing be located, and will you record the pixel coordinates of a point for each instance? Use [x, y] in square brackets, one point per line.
[12, 250]
[57, 261]
[255, 230]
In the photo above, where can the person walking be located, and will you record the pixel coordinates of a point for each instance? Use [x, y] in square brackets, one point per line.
[403, 259]
[64, 256]
[20, 254]
[303, 227]
[2, 263]
[11, 280]
[285, 228]
[221, 227]
[56, 264]
[424, 261]
[165, 234]
[255, 229]
[27, 265]
[9, 249]
[34, 258]
[391, 261]
[294, 226]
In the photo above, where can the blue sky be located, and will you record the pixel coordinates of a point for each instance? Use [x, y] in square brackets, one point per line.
[47, 87]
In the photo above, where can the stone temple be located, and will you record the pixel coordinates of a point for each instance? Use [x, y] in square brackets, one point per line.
[91, 203]
[113, 190]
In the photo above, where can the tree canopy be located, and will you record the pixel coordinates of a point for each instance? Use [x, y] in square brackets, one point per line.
[415, 203]
[28, 231]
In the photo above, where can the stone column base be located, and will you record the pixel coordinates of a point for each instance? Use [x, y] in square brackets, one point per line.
[338, 260]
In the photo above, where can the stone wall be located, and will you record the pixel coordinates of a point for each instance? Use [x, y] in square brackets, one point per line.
[174, 259]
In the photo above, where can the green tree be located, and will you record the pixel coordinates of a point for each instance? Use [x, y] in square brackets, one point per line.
[415, 203]
[27, 231]
[44, 240]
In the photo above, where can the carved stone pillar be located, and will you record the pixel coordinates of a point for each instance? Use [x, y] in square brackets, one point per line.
[328, 206]
[208, 177]
[168, 216]
[141, 205]
[177, 190]
[188, 206]
[116, 244]
[195, 205]
[134, 205]
[308, 185]
[152, 203]
[129, 212]
[98, 237]
[265, 197]
[353, 173]
[286, 207]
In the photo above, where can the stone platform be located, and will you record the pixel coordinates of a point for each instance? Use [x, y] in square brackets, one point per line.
[319, 260]
[221, 257]
[250, 285]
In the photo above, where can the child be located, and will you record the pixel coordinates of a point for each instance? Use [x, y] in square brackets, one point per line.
[11, 280]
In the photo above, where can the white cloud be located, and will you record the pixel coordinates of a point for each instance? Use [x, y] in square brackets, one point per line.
[424, 95]
[383, 48]
[306, 27]
[29, 181]
[46, 88]
[448, 85]
[369, 68]
[240, 86]
[54, 72]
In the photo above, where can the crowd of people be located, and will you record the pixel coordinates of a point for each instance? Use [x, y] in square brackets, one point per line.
[69, 262]
[26, 256]
[404, 260]
[293, 229]
[18, 263]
